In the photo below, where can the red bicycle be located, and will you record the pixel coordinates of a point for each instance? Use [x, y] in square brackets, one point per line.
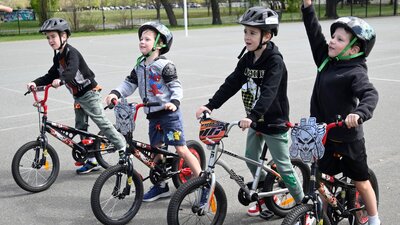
[36, 165]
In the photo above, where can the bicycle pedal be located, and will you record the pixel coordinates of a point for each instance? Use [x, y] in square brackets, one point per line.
[266, 214]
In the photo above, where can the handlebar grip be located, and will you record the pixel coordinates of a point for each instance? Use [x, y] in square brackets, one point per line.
[252, 125]
[360, 121]
[278, 125]
[113, 103]
[149, 104]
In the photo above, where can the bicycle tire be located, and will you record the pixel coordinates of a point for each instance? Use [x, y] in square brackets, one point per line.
[281, 204]
[302, 215]
[23, 168]
[180, 165]
[181, 205]
[105, 158]
[106, 203]
[354, 201]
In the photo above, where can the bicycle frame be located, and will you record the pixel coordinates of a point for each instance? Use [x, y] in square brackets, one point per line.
[60, 131]
[251, 193]
[145, 153]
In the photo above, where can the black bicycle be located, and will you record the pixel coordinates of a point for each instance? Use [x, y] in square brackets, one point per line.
[118, 192]
[35, 165]
[343, 199]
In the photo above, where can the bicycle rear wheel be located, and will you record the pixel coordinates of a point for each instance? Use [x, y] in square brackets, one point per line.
[112, 203]
[33, 168]
[304, 215]
[184, 205]
[180, 165]
[281, 204]
[354, 200]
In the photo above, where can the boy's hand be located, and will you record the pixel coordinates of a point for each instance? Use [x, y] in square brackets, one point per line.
[199, 112]
[30, 85]
[245, 123]
[56, 83]
[352, 120]
[170, 106]
[109, 98]
[307, 3]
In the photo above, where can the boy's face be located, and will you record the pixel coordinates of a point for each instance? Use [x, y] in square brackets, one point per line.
[54, 40]
[146, 42]
[340, 39]
[252, 37]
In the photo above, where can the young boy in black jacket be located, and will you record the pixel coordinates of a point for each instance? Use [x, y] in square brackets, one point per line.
[262, 76]
[342, 88]
[70, 68]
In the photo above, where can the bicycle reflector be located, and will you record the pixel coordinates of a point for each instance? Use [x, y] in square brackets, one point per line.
[212, 131]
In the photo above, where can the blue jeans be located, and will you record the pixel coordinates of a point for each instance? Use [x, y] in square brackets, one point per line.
[279, 149]
[92, 106]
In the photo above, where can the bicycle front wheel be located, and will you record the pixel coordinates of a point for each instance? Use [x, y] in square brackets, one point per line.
[183, 209]
[116, 198]
[33, 168]
[281, 204]
[304, 215]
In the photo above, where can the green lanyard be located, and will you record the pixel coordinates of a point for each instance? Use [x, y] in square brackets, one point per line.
[340, 56]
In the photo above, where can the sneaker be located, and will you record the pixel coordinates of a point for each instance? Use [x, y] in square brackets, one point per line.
[255, 210]
[156, 192]
[88, 167]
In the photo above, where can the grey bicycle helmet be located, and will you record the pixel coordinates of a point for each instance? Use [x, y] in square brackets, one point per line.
[161, 29]
[264, 18]
[56, 24]
[360, 29]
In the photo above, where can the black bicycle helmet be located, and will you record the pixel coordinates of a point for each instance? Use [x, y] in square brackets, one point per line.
[161, 29]
[360, 29]
[264, 18]
[56, 24]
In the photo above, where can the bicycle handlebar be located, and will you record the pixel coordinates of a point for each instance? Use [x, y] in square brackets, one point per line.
[338, 123]
[207, 115]
[114, 102]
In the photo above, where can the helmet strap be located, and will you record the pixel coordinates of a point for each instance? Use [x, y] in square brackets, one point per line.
[61, 42]
[340, 56]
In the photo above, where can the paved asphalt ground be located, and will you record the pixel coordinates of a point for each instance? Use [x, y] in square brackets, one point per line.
[203, 60]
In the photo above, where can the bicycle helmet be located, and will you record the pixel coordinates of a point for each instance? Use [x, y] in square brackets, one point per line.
[56, 24]
[360, 29]
[162, 30]
[264, 18]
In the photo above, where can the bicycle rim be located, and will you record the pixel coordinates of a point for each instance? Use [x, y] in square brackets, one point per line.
[109, 204]
[183, 208]
[33, 169]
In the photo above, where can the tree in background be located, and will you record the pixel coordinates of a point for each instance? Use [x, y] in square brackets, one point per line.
[216, 15]
[170, 12]
[43, 8]
[331, 9]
